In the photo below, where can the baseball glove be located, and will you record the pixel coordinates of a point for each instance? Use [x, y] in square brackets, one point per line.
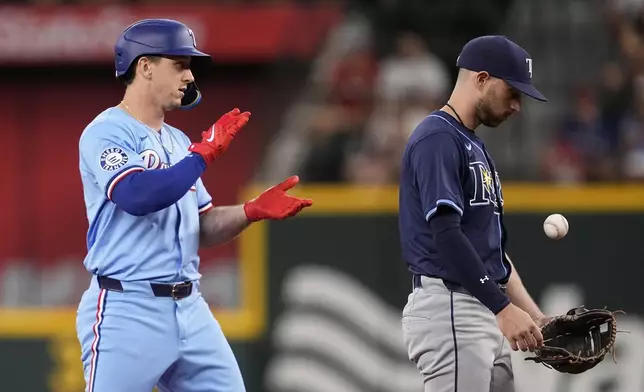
[578, 340]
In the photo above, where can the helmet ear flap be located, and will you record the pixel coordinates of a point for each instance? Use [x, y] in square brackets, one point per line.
[191, 97]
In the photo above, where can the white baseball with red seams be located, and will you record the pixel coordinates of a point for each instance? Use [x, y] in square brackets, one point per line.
[556, 226]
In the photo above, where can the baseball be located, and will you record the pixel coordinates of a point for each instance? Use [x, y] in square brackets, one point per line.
[555, 226]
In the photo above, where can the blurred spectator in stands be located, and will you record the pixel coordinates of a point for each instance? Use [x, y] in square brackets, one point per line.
[633, 141]
[340, 121]
[583, 149]
[623, 92]
[615, 95]
[385, 138]
[411, 83]
[412, 69]
[352, 81]
[370, 166]
[336, 134]
[373, 107]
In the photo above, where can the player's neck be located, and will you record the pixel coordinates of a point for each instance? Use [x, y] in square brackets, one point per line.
[462, 110]
[142, 110]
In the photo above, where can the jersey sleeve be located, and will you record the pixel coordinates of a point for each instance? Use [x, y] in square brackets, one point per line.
[108, 153]
[203, 198]
[437, 165]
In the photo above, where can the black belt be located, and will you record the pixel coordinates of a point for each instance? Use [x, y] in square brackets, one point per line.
[451, 286]
[173, 290]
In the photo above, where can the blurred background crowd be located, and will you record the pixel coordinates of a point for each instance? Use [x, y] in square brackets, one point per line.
[391, 62]
[395, 63]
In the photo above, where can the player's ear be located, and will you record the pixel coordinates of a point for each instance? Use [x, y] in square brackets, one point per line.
[482, 78]
[144, 66]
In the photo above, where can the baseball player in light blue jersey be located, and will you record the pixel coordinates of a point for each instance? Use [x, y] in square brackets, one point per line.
[143, 322]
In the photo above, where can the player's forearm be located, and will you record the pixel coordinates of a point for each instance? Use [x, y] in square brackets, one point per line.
[150, 191]
[520, 296]
[222, 224]
[452, 245]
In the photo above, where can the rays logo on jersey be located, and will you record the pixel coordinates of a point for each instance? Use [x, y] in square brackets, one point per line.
[113, 158]
[487, 187]
[152, 160]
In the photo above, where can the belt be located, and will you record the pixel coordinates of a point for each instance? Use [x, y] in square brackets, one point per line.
[174, 290]
[451, 286]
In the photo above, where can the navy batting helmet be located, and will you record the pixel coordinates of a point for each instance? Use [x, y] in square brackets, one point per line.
[158, 37]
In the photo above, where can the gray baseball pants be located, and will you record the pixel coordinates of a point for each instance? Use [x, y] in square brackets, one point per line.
[455, 341]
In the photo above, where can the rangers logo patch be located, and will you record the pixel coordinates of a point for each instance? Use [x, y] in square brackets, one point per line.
[152, 160]
[113, 158]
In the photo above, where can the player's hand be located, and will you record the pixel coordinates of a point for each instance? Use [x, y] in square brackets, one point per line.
[542, 320]
[275, 203]
[216, 139]
[519, 328]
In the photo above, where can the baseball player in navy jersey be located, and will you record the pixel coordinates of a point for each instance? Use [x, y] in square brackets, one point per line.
[143, 322]
[468, 306]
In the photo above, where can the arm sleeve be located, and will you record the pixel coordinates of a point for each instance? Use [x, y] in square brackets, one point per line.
[452, 244]
[438, 166]
[146, 192]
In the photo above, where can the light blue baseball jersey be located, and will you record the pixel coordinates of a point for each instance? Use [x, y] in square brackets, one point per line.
[161, 246]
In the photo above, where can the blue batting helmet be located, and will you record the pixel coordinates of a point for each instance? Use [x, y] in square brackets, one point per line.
[158, 37]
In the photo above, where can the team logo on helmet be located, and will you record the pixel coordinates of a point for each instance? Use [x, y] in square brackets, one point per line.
[113, 158]
[194, 39]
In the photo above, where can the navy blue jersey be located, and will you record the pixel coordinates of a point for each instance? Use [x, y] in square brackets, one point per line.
[445, 163]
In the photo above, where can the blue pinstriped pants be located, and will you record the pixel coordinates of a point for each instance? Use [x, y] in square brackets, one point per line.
[132, 341]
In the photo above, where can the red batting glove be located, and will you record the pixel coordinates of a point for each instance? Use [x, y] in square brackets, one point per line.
[274, 203]
[216, 139]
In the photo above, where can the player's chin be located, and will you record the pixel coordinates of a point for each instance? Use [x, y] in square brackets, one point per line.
[494, 122]
[174, 104]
